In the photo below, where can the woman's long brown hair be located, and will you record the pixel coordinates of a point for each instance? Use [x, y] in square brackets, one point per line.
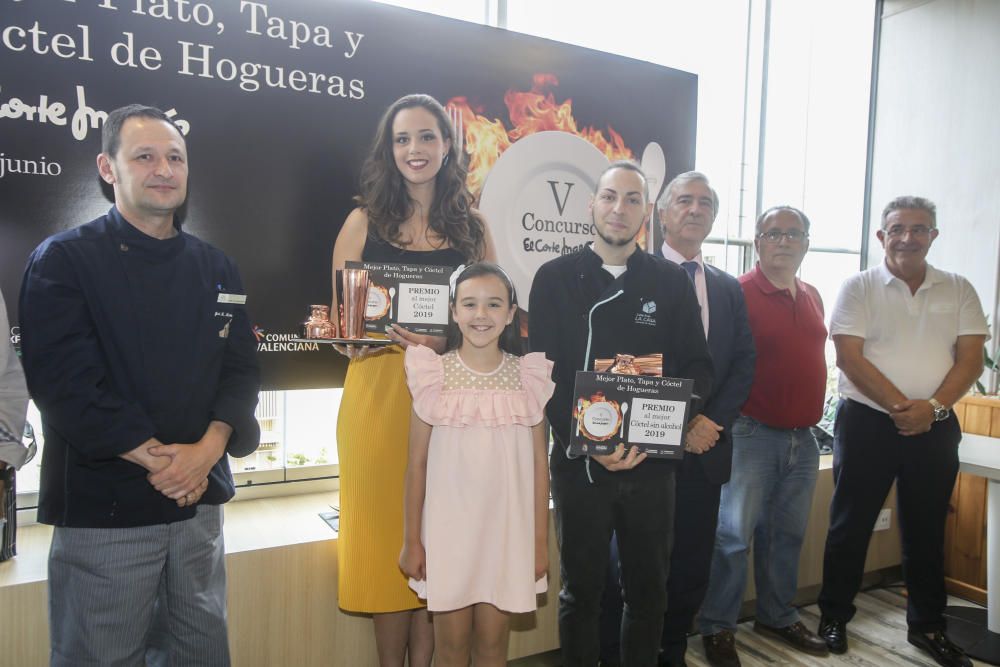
[384, 197]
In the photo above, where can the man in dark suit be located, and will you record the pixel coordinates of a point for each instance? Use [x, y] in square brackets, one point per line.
[686, 212]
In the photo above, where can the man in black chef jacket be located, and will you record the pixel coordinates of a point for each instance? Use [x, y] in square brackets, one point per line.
[608, 298]
[138, 351]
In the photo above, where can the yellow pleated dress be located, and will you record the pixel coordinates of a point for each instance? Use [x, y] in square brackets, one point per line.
[372, 433]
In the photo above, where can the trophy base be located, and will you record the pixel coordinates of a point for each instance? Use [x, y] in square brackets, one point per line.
[363, 342]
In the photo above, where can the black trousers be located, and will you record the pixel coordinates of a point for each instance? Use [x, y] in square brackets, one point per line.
[641, 514]
[868, 455]
[611, 609]
[697, 517]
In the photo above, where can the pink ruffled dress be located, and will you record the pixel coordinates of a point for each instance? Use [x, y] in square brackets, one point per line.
[479, 523]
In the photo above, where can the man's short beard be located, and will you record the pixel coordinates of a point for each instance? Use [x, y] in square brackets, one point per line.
[613, 242]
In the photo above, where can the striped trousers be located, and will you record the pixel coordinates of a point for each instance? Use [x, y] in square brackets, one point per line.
[150, 595]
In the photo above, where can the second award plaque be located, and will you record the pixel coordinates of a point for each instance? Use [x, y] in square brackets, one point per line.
[611, 409]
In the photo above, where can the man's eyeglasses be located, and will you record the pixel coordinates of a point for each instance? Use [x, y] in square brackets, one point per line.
[775, 236]
[899, 231]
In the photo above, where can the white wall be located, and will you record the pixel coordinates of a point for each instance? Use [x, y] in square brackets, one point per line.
[937, 132]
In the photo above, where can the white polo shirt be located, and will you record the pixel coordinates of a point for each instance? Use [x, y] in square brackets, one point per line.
[910, 338]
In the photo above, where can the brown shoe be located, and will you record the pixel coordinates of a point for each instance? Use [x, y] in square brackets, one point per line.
[797, 636]
[720, 649]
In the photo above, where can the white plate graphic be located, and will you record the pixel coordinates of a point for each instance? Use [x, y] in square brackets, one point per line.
[378, 302]
[601, 420]
[548, 176]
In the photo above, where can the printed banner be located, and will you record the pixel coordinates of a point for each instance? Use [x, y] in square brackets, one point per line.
[279, 103]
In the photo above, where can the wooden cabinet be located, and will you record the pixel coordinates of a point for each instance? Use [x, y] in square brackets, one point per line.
[965, 531]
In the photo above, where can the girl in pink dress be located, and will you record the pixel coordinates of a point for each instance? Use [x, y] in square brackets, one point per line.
[475, 537]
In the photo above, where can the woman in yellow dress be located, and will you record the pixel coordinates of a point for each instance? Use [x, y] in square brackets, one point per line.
[414, 208]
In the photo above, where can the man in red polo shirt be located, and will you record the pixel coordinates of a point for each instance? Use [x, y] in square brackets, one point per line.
[775, 456]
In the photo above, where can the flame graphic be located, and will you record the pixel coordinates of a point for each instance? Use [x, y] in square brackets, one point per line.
[533, 111]
[583, 402]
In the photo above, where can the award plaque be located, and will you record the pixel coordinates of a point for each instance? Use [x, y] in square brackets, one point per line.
[646, 411]
[413, 296]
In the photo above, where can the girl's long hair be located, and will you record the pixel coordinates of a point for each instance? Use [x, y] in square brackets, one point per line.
[383, 194]
[510, 338]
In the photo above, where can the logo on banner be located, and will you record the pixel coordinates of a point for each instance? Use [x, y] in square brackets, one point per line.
[53, 112]
[281, 342]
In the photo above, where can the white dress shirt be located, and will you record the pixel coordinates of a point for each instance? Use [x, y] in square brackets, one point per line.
[700, 287]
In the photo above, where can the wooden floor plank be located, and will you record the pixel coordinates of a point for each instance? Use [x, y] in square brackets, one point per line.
[876, 636]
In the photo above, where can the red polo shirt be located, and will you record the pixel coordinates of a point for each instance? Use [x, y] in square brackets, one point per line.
[789, 381]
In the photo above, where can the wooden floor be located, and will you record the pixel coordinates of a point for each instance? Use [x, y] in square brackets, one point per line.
[876, 635]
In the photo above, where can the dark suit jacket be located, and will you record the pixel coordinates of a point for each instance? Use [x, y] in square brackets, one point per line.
[730, 343]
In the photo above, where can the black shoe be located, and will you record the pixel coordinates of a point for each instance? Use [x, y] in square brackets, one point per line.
[797, 636]
[665, 659]
[834, 633]
[663, 662]
[940, 647]
[720, 649]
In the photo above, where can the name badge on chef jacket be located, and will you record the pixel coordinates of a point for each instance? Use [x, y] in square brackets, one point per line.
[238, 299]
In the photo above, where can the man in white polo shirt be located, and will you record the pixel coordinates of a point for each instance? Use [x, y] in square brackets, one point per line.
[909, 342]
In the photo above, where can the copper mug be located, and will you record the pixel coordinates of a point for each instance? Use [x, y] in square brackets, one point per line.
[354, 302]
[319, 325]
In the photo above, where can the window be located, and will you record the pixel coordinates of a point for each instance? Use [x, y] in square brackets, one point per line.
[816, 131]
[298, 441]
[298, 437]
[466, 10]
[816, 128]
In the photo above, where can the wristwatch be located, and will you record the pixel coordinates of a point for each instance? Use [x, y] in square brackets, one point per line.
[940, 412]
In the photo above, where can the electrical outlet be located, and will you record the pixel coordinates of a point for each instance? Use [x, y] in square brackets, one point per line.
[883, 521]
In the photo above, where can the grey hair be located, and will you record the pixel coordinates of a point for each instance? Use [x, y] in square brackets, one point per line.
[776, 209]
[910, 202]
[681, 179]
[630, 166]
